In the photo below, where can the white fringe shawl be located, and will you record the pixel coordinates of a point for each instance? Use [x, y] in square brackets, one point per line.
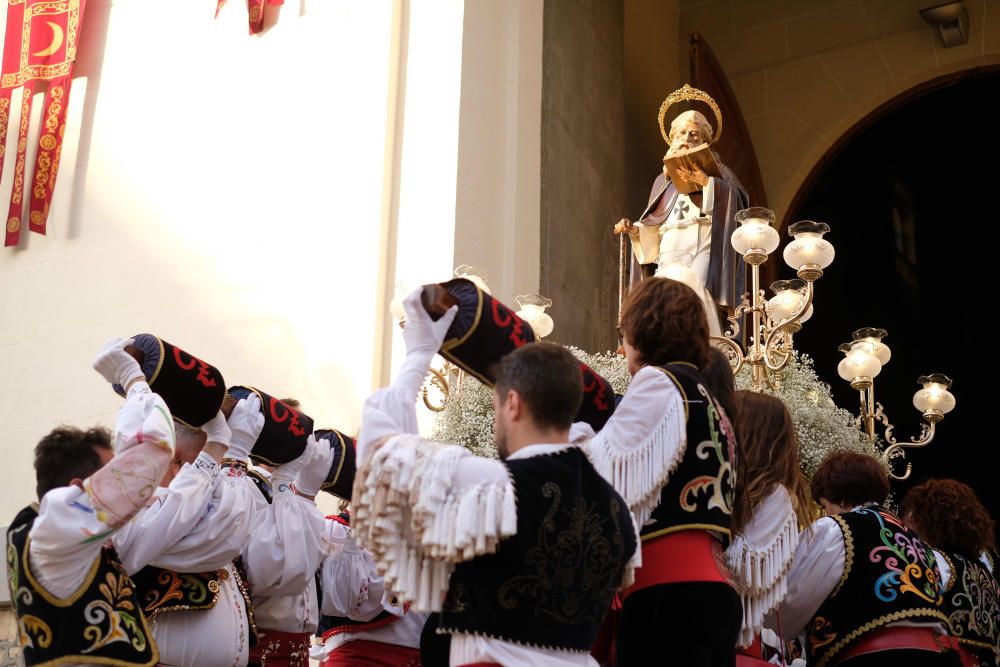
[760, 557]
[639, 470]
[416, 528]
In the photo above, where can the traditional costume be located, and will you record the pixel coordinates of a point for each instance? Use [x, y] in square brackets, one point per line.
[184, 551]
[866, 590]
[669, 451]
[285, 551]
[526, 553]
[362, 623]
[73, 599]
[972, 605]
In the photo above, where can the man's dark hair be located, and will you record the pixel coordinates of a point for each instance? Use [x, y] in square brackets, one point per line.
[850, 478]
[548, 379]
[68, 453]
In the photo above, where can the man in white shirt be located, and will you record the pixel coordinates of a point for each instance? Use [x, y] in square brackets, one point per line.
[74, 602]
[361, 618]
[505, 542]
[863, 587]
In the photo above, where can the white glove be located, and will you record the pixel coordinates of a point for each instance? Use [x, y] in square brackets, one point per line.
[287, 472]
[317, 467]
[421, 333]
[116, 365]
[246, 422]
[217, 429]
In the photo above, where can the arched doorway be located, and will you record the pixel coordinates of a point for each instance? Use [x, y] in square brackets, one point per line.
[909, 195]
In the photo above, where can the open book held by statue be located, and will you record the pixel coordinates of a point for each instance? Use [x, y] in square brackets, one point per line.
[685, 231]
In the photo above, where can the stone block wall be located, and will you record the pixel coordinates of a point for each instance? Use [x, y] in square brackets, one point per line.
[806, 71]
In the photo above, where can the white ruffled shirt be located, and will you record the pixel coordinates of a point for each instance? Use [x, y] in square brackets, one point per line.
[392, 411]
[285, 551]
[62, 538]
[642, 443]
[759, 558]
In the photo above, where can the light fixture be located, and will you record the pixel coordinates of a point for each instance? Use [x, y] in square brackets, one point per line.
[865, 356]
[951, 20]
[773, 322]
[476, 274]
[532, 311]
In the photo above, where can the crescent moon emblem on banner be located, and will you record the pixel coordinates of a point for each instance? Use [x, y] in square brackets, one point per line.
[57, 40]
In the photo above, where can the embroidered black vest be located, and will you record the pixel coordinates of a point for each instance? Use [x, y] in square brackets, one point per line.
[889, 575]
[551, 584]
[263, 484]
[699, 493]
[99, 623]
[972, 604]
[162, 590]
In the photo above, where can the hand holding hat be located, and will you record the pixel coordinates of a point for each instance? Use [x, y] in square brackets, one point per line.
[287, 472]
[421, 333]
[116, 365]
[312, 475]
[246, 423]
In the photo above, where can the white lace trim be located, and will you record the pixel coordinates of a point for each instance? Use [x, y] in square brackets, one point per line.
[416, 528]
[639, 472]
[759, 560]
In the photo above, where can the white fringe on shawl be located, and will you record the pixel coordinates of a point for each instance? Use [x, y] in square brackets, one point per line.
[639, 470]
[406, 515]
[760, 557]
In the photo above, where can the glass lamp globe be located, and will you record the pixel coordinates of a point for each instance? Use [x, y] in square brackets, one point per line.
[755, 238]
[859, 365]
[476, 274]
[532, 311]
[933, 399]
[874, 337]
[809, 253]
[787, 300]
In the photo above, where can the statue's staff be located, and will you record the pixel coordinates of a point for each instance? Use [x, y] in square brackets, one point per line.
[623, 227]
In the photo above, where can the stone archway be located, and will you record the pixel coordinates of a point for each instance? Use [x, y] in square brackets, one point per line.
[806, 184]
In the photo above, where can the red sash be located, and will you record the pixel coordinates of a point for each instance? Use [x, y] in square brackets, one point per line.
[688, 555]
[365, 653]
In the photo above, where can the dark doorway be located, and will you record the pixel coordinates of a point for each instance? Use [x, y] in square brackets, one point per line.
[910, 202]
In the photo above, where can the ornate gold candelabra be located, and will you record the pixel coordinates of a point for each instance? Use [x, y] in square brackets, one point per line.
[863, 360]
[774, 321]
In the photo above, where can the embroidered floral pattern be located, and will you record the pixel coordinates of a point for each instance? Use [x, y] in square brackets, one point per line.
[718, 488]
[113, 619]
[975, 605]
[572, 567]
[189, 591]
[911, 565]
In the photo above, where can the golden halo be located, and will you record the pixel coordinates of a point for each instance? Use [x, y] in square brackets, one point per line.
[687, 93]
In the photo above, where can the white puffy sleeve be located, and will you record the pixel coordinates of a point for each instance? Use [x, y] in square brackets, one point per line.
[817, 568]
[759, 558]
[642, 443]
[286, 546]
[73, 523]
[420, 507]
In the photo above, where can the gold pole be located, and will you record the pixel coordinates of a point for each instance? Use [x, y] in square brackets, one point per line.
[757, 355]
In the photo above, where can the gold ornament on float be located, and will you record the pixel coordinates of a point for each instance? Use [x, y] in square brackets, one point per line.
[687, 93]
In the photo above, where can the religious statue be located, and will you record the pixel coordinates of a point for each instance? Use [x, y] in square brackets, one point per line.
[685, 230]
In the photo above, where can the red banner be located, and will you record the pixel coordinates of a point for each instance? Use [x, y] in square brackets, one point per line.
[40, 45]
[255, 9]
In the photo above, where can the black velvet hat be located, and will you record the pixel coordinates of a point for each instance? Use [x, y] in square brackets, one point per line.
[340, 481]
[285, 432]
[598, 399]
[192, 389]
[484, 330]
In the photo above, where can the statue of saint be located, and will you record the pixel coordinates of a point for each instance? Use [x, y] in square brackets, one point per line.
[686, 229]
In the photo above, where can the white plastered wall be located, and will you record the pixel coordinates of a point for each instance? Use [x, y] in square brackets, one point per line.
[256, 199]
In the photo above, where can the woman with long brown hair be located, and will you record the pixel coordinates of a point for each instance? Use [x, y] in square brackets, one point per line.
[669, 451]
[771, 506]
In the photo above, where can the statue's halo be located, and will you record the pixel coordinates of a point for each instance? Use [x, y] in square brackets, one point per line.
[686, 93]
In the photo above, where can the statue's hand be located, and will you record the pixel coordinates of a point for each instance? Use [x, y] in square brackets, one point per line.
[626, 226]
[695, 175]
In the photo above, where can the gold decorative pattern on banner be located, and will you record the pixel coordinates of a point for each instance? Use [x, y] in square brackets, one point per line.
[13, 225]
[28, 72]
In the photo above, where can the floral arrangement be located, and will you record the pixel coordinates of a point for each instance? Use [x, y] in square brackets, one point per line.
[820, 425]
